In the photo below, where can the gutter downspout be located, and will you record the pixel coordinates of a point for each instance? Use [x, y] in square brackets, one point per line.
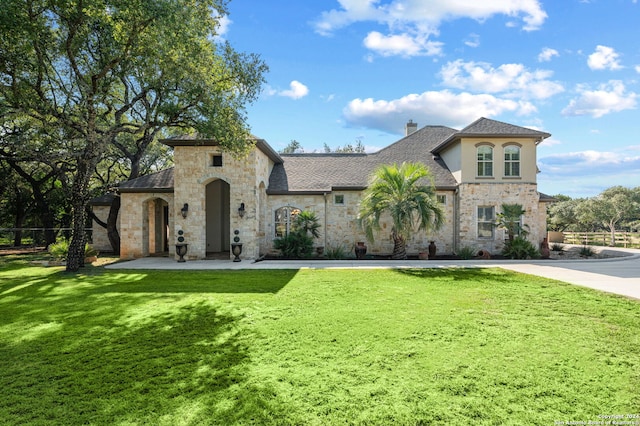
[324, 234]
[456, 221]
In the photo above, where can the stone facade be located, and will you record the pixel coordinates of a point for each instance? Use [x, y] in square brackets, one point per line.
[340, 228]
[474, 195]
[225, 197]
[246, 179]
[143, 228]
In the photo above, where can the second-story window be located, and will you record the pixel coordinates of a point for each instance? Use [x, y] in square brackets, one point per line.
[512, 161]
[485, 161]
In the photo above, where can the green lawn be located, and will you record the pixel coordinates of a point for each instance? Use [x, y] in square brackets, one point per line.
[452, 346]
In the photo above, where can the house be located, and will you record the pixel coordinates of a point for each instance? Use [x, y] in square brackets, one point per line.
[209, 197]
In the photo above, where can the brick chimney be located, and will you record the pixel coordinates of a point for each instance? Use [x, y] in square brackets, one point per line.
[410, 127]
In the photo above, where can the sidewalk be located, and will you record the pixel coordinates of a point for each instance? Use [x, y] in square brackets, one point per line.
[620, 275]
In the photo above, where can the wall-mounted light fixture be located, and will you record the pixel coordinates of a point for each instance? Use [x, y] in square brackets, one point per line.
[184, 210]
[241, 210]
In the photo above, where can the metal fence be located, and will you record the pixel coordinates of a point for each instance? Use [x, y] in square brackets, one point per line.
[34, 237]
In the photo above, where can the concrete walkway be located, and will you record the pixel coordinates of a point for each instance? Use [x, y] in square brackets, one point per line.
[619, 275]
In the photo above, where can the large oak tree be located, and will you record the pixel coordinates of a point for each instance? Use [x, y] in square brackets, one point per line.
[92, 71]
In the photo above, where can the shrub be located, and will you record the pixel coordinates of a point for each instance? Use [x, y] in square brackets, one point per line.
[60, 249]
[466, 253]
[336, 253]
[298, 243]
[295, 244]
[520, 248]
[586, 251]
[556, 247]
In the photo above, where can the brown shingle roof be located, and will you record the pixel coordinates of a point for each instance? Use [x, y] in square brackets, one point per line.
[157, 182]
[318, 173]
[491, 128]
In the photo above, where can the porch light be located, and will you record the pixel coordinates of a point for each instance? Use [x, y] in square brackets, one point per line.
[241, 210]
[184, 210]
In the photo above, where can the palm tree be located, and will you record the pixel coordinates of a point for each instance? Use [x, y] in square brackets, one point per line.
[402, 193]
[509, 219]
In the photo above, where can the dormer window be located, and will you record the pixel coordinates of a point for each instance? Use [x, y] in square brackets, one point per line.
[512, 161]
[485, 161]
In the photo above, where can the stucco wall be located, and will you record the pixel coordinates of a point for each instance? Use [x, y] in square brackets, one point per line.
[469, 169]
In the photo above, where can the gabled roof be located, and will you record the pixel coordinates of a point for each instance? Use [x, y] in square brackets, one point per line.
[157, 182]
[485, 127]
[319, 173]
[195, 140]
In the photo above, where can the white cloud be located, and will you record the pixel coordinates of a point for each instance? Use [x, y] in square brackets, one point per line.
[296, 90]
[604, 58]
[224, 23]
[402, 44]
[547, 54]
[418, 20]
[473, 40]
[588, 163]
[608, 98]
[588, 173]
[442, 107]
[513, 80]
[637, 68]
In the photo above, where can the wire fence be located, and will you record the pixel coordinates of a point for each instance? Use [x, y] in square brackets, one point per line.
[34, 237]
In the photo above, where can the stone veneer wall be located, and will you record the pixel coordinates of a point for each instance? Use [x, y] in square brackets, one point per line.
[194, 170]
[473, 195]
[99, 238]
[136, 217]
[339, 225]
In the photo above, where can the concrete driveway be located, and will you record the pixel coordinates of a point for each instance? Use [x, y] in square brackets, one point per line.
[620, 275]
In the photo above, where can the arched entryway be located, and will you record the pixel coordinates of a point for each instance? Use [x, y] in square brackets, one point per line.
[155, 227]
[217, 217]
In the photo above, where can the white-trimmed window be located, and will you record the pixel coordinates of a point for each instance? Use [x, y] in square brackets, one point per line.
[338, 199]
[283, 219]
[512, 161]
[486, 219]
[441, 199]
[485, 160]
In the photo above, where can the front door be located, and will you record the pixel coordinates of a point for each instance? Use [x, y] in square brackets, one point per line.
[217, 211]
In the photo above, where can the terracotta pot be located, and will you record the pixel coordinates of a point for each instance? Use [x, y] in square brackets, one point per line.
[432, 250]
[360, 250]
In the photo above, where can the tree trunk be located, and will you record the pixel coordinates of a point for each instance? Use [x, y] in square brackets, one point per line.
[75, 257]
[79, 198]
[112, 221]
[613, 235]
[19, 218]
[399, 247]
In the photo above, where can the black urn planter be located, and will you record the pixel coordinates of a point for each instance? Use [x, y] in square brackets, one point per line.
[181, 250]
[236, 249]
[360, 250]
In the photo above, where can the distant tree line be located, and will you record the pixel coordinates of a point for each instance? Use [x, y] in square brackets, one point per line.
[294, 147]
[616, 208]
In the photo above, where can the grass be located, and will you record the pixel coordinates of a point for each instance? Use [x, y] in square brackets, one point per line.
[453, 346]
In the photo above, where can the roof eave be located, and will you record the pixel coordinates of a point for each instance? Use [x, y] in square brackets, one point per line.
[540, 136]
[261, 144]
[146, 190]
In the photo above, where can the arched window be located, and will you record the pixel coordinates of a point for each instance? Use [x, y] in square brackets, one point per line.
[284, 217]
[485, 161]
[512, 161]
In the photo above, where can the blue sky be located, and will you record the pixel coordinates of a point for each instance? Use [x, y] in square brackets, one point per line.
[347, 70]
